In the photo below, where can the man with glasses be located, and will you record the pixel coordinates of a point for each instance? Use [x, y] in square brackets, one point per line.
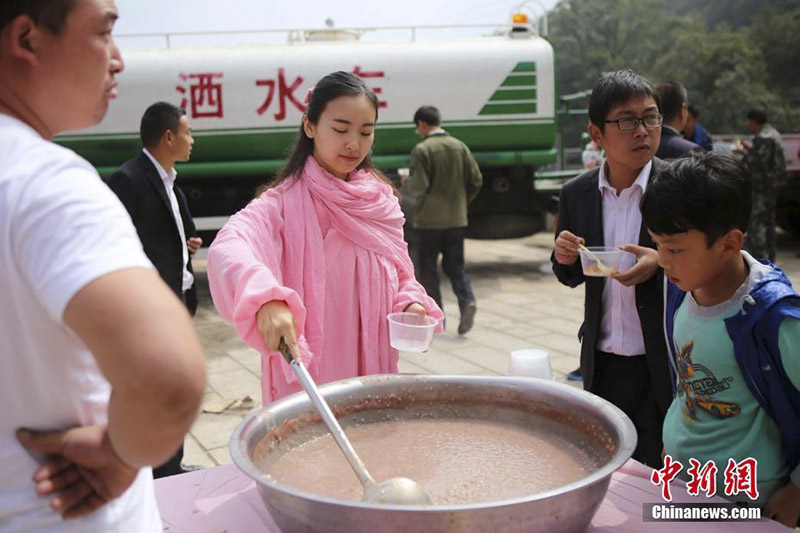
[623, 354]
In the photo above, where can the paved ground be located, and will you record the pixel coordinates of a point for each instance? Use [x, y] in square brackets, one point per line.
[520, 305]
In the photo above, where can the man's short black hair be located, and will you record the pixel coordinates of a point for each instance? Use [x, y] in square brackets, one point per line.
[51, 14]
[704, 191]
[157, 119]
[429, 115]
[759, 116]
[617, 88]
[694, 110]
[673, 98]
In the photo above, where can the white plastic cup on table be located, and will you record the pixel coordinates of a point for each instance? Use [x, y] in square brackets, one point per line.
[530, 363]
[613, 261]
[410, 332]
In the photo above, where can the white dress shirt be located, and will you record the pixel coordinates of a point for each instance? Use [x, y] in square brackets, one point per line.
[620, 329]
[168, 179]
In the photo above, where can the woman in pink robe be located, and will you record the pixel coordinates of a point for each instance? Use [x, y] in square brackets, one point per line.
[319, 258]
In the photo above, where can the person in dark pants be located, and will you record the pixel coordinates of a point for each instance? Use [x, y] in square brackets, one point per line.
[146, 187]
[623, 353]
[766, 163]
[444, 178]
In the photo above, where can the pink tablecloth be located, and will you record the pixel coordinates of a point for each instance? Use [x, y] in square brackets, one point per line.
[224, 500]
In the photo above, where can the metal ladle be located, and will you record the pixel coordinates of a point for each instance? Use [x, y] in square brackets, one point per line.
[397, 490]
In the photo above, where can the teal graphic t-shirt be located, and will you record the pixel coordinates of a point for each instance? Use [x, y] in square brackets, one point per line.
[714, 416]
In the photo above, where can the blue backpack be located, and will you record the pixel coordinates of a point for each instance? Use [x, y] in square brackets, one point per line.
[754, 333]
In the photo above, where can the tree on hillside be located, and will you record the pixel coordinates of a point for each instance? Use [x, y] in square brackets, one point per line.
[734, 13]
[595, 36]
[724, 69]
[777, 35]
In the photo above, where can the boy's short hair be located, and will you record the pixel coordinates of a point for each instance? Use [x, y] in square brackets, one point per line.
[429, 115]
[617, 88]
[759, 116]
[694, 110]
[707, 192]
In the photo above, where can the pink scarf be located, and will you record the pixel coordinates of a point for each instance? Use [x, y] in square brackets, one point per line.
[365, 211]
[274, 250]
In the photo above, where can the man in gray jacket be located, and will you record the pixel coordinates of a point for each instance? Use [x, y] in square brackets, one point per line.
[444, 178]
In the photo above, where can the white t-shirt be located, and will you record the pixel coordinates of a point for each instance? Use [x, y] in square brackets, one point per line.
[60, 228]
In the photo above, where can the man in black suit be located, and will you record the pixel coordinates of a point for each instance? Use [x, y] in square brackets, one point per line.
[674, 106]
[146, 186]
[623, 352]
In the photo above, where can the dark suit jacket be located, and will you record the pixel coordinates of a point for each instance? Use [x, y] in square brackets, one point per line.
[580, 212]
[139, 187]
[673, 145]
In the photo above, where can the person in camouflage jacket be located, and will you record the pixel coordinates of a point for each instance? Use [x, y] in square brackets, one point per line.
[767, 166]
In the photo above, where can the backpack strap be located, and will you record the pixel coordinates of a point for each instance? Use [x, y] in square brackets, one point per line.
[672, 301]
[781, 398]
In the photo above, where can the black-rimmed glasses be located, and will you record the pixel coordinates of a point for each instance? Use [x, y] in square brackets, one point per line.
[631, 123]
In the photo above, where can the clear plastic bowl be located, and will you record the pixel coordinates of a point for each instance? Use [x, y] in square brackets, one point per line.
[411, 332]
[610, 259]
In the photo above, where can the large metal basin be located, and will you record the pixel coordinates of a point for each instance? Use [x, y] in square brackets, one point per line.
[286, 423]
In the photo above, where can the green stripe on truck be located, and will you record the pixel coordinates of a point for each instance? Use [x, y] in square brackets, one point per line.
[232, 169]
[513, 94]
[508, 109]
[266, 145]
[514, 81]
[525, 66]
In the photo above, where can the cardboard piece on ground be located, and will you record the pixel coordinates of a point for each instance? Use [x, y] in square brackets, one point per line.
[219, 405]
[245, 403]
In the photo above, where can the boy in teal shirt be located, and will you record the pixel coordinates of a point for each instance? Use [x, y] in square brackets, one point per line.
[733, 329]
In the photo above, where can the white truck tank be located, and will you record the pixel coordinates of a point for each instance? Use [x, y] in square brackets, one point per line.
[245, 105]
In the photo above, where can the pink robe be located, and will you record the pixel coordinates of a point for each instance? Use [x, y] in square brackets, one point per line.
[333, 250]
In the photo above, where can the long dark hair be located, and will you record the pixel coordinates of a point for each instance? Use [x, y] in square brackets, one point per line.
[329, 88]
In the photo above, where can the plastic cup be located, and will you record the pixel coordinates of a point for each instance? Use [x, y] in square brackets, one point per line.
[612, 258]
[411, 332]
[530, 363]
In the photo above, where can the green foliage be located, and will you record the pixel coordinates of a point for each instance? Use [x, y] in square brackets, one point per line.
[777, 35]
[727, 67]
[734, 13]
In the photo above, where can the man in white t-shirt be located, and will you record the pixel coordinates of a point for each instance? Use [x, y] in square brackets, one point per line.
[90, 397]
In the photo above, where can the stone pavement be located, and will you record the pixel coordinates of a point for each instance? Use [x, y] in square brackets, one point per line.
[520, 305]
